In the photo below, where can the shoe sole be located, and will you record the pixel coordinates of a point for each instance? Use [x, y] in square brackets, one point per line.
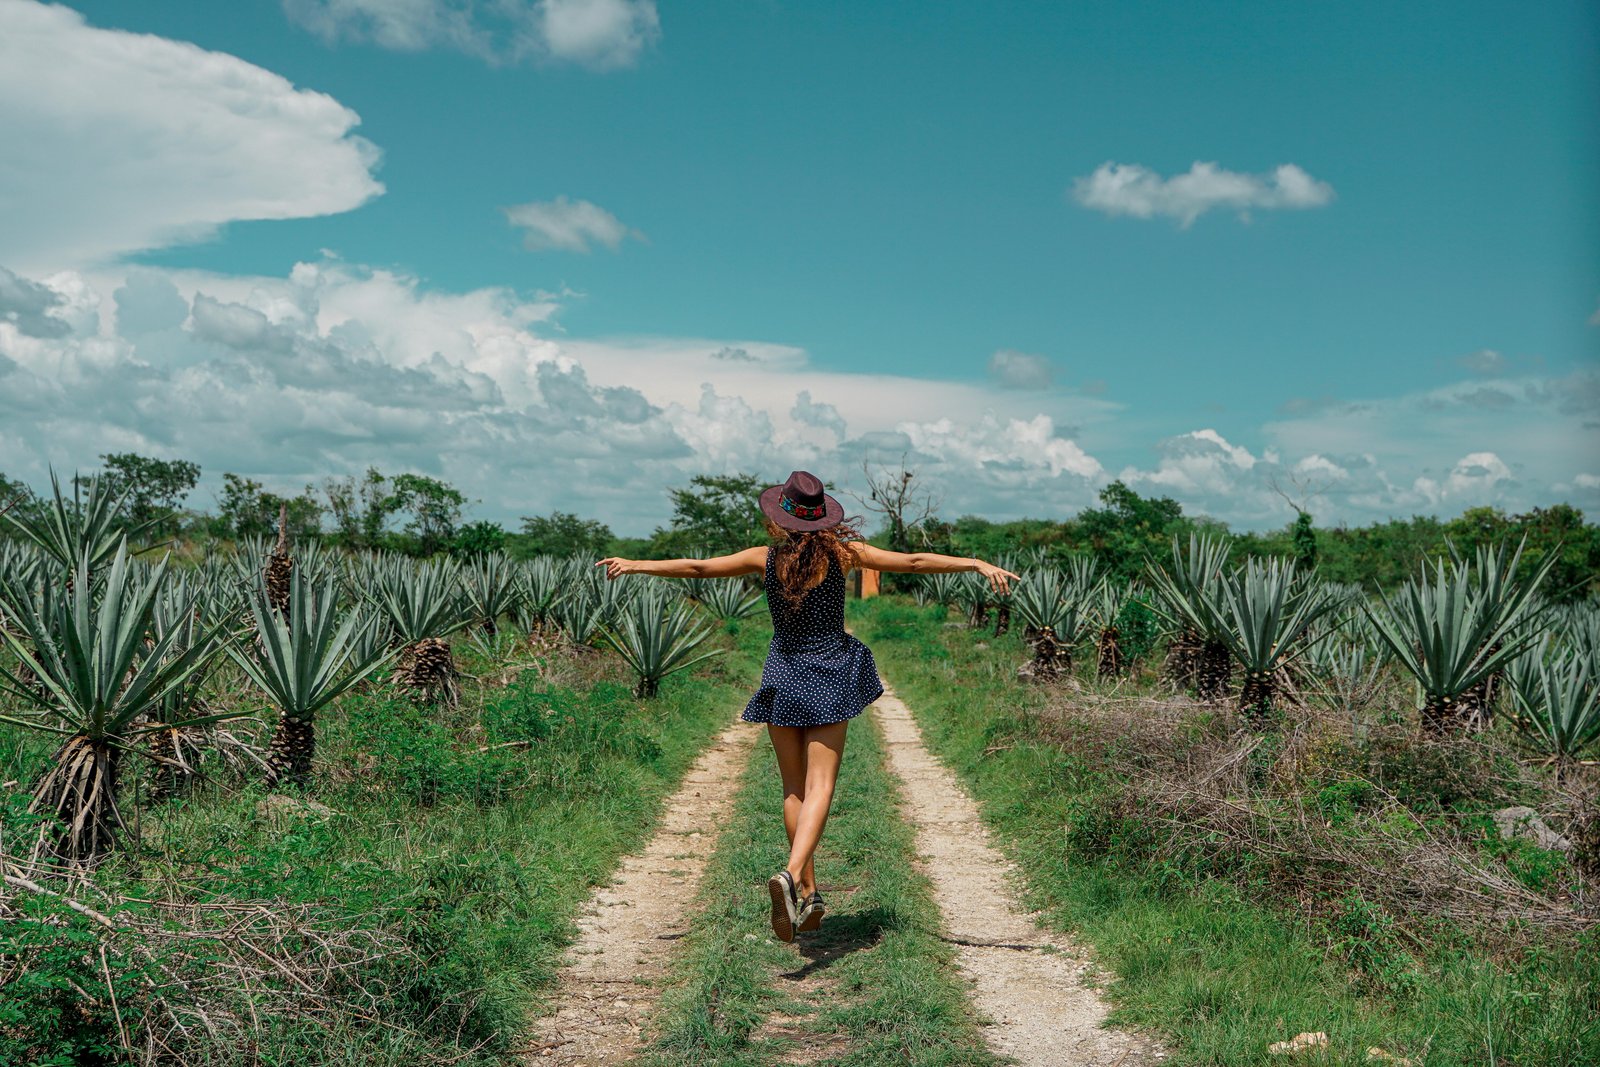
[782, 925]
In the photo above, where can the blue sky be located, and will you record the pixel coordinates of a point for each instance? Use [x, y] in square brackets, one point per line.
[941, 223]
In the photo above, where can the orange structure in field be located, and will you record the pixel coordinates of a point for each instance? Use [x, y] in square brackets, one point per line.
[866, 583]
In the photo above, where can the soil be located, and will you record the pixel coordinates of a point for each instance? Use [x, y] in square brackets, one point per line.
[1031, 987]
[627, 929]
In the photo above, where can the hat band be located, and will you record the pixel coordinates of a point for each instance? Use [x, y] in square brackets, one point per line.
[801, 511]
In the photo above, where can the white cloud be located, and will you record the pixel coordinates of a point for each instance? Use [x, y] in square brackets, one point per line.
[599, 34]
[117, 142]
[1130, 189]
[1020, 370]
[1484, 361]
[567, 225]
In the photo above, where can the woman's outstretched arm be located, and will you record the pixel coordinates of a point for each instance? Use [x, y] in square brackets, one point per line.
[929, 563]
[750, 561]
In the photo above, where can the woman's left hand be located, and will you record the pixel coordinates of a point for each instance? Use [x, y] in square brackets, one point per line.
[999, 577]
[616, 566]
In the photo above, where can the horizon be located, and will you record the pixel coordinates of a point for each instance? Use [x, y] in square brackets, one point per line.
[569, 256]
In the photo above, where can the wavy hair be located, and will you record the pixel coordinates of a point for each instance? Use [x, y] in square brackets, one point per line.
[800, 557]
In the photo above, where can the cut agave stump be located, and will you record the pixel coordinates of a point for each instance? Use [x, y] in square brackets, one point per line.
[294, 742]
[1108, 663]
[80, 791]
[429, 672]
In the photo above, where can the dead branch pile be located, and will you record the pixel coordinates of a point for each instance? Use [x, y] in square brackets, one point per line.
[170, 979]
[1211, 800]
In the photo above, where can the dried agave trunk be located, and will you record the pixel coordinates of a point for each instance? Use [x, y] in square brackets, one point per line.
[1108, 660]
[168, 775]
[1183, 658]
[294, 744]
[1211, 673]
[280, 567]
[429, 672]
[1257, 698]
[980, 615]
[1051, 657]
[490, 627]
[1002, 620]
[1443, 716]
[79, 790]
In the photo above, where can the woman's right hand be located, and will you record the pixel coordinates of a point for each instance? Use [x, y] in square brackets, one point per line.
[616, 566]
[999, 578]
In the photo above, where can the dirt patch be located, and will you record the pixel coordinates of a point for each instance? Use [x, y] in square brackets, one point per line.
[627, 929]
[1029, 984]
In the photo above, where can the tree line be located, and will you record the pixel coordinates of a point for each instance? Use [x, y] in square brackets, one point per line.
[424, 516]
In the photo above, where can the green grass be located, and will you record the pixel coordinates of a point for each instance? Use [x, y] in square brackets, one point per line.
[874, 987]
[475, 860]
[1218, 972]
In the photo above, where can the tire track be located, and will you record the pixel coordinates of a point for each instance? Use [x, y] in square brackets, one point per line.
[627, 929]
[1029, 983]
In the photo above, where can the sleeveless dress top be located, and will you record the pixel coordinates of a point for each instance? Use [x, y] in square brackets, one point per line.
[815, 673]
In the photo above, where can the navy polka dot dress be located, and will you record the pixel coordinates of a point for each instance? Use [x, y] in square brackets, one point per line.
[815, 673]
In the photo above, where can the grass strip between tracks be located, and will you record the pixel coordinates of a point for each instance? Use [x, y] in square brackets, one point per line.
[875, 986]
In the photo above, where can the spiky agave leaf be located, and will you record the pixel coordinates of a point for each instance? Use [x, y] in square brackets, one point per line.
[1559, 700]
[1263, 610]
[1187, 596]
[1053, 609]
[1441, 630]
[303, 663]
[94, 677]
[490, 584]
[730, 598]
[658, 636]
[86, 528]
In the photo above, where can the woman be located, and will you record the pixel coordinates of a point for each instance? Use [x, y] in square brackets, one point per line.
[816, 677]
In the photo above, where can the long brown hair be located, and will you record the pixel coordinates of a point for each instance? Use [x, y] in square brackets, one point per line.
[800, 557]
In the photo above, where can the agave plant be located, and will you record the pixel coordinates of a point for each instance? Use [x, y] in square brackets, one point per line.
[974, 594]
[578, 617]
[1559, 700]
[730, 598]
[85, 528]
[304, 660]
[539, 590]
[1197, 654]
[1494, 569]
[1106, 604]
[1262, 613]
[658, 635]
[176, 749]
[424, 606]
[1053, 610]
[1450, 637]
[93, 679]
[490, 584]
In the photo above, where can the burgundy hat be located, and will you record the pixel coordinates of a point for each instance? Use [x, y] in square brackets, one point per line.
[800, 504]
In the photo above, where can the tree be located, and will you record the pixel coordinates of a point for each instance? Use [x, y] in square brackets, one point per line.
[435, 509]
[478, 539]
[716, 514]
[1130, 528]
[906, 508]
[245, 509]
[1305, 541]
[563, 534]
[360, 508]
[155, 488]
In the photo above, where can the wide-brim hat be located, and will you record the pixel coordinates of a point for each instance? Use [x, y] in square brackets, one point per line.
[800, 504]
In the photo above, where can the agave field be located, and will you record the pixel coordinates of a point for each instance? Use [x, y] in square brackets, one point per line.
[143, 693]
[1476, 638]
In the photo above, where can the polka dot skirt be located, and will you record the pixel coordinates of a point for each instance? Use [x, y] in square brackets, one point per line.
[815, 673]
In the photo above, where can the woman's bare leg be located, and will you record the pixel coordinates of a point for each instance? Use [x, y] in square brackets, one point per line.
[789, 743]
[824, 749]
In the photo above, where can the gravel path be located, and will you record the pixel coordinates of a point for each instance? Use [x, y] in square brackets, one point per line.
[628, 928]
[1028, 983]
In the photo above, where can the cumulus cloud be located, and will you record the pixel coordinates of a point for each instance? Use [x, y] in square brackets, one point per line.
[567, 225]
[117, 142]
[1020, 370]
[1130, 189]
[337, 367]
[1484, 361]
[599, 34]
[27, 305]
